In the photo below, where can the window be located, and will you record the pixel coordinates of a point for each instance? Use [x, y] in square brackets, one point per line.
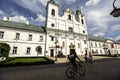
[83, 31]
[91, 44]
[69, 17]
[52, 25]
[17, 36]
[70, 29]
[30, 37]
[85, 41]
[53, 12]
[78, 45]
[99, 44]
[52, 38]
[96, 51]
[28, 50]
[82, 21]
[1, 34]
[100, 51]
[14, 50]
[95, 44]
[63, 44]
[41, 38]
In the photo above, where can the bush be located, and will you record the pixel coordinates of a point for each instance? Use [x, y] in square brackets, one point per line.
[4, 49]
[60, 55]
[108, 55]
[25, 61]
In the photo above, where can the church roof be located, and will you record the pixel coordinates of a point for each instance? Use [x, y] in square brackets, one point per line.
[98, 38]
[23, 26]
[68, 10]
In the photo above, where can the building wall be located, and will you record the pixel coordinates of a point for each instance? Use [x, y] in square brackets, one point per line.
[100, 47]
[22, 43]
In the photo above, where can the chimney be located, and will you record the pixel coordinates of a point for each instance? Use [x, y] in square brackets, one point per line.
[27, 22]
[5, 18]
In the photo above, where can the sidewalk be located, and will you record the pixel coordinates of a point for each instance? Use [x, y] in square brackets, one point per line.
[64, 60]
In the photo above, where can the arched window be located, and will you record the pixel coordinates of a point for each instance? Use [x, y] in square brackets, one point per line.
[82, 21]
[63, 44]
[69, 17]
[53, 12]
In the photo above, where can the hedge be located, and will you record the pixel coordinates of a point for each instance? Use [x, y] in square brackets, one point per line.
[25, 61]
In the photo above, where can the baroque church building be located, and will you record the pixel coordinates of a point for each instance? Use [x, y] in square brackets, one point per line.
[65, 31]
[59, 35]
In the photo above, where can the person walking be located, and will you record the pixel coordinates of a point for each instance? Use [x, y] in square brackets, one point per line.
[90, 58]
[86, 58]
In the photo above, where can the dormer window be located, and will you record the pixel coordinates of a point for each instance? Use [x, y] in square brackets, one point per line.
[53, 12]
[69, 17]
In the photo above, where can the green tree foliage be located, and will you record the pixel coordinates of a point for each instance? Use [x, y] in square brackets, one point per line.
[4, 49]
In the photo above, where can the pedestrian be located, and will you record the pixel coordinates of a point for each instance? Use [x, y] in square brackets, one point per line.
[86, 58]
[90, 58]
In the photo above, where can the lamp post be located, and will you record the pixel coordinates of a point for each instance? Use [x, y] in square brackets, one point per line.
[116, 11]
[56, 41]
[0, 50]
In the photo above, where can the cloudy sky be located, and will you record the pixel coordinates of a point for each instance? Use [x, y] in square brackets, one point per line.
[97, 12]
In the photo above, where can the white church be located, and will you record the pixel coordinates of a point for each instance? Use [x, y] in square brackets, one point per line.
[59, 34]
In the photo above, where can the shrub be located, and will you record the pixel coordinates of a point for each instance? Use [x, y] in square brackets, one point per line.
[108, 55]
[20, 61]
[60, 55]
[4, 49]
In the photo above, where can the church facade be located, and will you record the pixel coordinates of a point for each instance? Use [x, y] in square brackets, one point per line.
[59, 35]
[65, 31]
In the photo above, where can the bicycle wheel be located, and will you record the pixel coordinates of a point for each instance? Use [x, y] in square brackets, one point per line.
[70, 72]
[82, 70]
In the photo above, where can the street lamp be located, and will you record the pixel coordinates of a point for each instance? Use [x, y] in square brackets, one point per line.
[56, 41]
[0, 50]
[116, 11]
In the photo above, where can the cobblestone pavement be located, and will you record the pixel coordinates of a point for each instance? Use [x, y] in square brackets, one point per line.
[108, 69]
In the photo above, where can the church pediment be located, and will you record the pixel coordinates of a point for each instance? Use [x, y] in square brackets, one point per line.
[69, 11]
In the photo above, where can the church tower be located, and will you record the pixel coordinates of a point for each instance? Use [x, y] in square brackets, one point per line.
[51, 14]
[51, 26]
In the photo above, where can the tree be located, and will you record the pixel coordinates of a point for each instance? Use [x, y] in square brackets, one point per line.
[4, 49]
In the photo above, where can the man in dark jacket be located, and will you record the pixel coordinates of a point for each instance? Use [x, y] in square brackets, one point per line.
[72, 58]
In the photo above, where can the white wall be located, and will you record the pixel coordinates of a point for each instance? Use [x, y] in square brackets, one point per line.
[23, 42]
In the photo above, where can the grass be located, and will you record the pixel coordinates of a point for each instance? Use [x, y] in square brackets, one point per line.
[107, 55]
[25, 61]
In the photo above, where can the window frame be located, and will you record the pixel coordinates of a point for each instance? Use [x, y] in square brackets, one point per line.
[41, 38]
[15, 49]
[30, 36]
[17, 37]
[53, 12]
[1, 34]
[70, 29]
[28, 50]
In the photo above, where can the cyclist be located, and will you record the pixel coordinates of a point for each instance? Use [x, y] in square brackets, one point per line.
[72, 58]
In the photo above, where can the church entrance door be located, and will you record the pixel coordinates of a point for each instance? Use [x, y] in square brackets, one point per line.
[51, 53]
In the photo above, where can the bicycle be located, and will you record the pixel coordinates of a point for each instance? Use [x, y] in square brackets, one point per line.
[71, 71]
